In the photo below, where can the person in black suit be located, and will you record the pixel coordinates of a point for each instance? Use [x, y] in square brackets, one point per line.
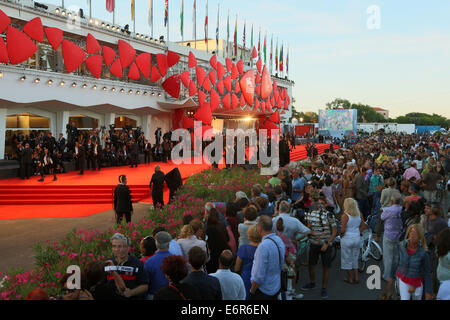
[123, 204]
[96, 156]
[20, 152]
[158, 134]
[50, 142]
[147, 152]
[46, 164]
[80, 156]
[134, 154]
[284, 153]
[61, 143]
[166, 150]
[27, 161]
[89, 154]
[157, 187]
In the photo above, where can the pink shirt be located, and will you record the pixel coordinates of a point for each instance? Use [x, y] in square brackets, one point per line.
[411, 172]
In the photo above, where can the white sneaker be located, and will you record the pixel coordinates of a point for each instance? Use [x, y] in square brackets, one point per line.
[297, 296]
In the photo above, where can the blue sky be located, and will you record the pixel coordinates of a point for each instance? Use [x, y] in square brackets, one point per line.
[404, 66]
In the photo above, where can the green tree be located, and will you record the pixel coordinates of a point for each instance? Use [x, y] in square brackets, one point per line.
[423, 119]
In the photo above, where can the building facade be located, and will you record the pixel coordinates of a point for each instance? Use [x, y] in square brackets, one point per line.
[64, 69]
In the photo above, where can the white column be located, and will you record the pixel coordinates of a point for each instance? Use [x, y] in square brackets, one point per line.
[62, 119]
[2, 132]
[110, 118]
[146, 123]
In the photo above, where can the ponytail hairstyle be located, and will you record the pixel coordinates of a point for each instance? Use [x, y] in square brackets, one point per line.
[122, 179]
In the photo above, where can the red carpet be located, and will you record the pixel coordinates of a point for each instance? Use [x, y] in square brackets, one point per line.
[73, 195]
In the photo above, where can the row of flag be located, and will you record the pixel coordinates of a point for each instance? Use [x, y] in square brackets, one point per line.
[231, 49]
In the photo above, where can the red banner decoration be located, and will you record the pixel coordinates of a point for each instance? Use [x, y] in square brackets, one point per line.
[204, 114]
[94, 65]
[247, 84]
[258, 78]
[207, 85]
[258, 90]
[213, 62]
[143, 61]
[92, 45]
[234, 72]
[172, 85]
[172, 58]
[3, 52]
[192, 89]
[240, 67]
[116, 69]
[259, 65]
[155, 76]
[227, 101]
[237, 87]
[228, 63]
[177, 119]
[254, 53]
[185, 78]
[275, 117]
[215, 100]
[133, 72]
[161, 60]
[242, 101]
[54, 36]
[221, 87]
[73, 55]
[257, 105]
[4, 21]
[266, 84]
[201, 97]
[220, 70]
[201, 75]
[108, 54]
[126, 53]
[19, 46]
[34, 29]
[188, 123]
[227, 83]
[234, 101]
[192, 60]
[213, 77]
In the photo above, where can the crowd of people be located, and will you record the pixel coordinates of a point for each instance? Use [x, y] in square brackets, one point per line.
[253, 247]
[41, 153]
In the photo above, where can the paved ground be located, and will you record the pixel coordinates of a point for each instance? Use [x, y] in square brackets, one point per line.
[17, 237]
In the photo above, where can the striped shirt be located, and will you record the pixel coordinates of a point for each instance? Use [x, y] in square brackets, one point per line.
[321, 223]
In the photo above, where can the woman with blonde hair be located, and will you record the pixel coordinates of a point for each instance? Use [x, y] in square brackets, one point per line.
[413, 268]
[352, 224]
[189, 240]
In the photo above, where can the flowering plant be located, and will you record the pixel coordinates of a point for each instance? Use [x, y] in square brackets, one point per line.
[83, 246]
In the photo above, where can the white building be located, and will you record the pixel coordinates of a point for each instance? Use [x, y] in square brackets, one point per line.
[38, 94]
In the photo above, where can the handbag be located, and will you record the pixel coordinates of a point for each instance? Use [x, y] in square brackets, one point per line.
[284, 273]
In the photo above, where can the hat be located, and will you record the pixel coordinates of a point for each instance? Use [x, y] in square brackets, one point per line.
[163, 239]
[241, 195]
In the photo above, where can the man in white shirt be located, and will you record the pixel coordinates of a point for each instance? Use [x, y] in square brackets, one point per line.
[292, 226]
[231, 283]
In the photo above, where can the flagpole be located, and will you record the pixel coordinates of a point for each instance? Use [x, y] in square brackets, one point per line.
[62, 4]
[151, 16]
[182, 21]
[134, 18]
[217, 29]
[195, 23]
[206, 27]
[114, 13]
[168, 22]
[90, 9]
